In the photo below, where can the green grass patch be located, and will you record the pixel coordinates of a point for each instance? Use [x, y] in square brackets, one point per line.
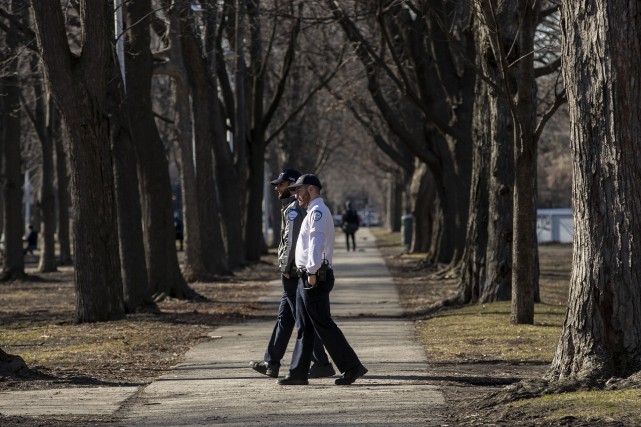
[616, 405]
[484, 332]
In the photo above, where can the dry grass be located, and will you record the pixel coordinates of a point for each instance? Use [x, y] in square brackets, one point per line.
[38, 325]
[484, 333]
[474, 349]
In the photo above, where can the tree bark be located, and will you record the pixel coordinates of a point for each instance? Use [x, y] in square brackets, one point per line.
[525, 147]
[48, 260]
[135, 282]
[441, 90]
[423, 201]
[600, 337]
[79, 86]
[62, 192]
[12, 179]
[212, 254]
[165, 278]
[473, 262]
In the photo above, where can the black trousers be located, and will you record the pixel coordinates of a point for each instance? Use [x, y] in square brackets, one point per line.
[284, 326]
[314, 316]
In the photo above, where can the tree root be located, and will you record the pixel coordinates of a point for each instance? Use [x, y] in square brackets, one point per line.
[540, 387]
[11, 364]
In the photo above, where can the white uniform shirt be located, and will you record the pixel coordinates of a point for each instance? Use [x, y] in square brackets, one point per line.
[316, 238]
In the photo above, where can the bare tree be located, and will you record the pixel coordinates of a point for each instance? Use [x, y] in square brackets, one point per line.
[430, 50]
[12, 179]
[165, 278]
[78, 83]
[600, 337]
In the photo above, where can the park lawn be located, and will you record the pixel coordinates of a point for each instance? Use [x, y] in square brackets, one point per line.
[482, 336]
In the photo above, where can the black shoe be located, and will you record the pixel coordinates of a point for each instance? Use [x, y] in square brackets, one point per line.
[321, 371]
[265, 368]
[351, 375]
[288, 380]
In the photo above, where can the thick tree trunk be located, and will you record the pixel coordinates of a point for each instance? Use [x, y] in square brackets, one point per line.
[498, 283]
[473, 263]
[165, 278]
[79, 86]
[600, 337]
[135, 283]
[452, 181]
[211, 253]
[12, 179]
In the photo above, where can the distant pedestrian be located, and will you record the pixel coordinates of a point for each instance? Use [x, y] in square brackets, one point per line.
[349, 224]
[314, 252]
[32, 241]
[291, 219]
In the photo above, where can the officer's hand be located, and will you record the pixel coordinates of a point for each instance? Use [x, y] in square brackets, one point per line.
[286, 275]
[312, 280]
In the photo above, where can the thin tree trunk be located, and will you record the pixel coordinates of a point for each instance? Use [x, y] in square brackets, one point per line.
[48, 260]
[600, 337]
[525, 147]
[62, 178]
[423, 198]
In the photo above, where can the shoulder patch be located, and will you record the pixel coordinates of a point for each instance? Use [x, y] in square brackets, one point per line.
[317, 215]
[292, 214]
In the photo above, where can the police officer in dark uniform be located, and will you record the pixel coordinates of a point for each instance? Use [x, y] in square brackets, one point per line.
[291, 218]
[314, 252]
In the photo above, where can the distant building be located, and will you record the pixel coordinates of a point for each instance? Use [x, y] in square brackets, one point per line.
[554, 225]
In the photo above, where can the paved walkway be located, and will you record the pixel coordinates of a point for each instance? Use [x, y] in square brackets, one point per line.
[215, 386]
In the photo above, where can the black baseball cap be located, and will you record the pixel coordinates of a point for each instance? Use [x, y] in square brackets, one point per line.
[307, 179]
[288, 175]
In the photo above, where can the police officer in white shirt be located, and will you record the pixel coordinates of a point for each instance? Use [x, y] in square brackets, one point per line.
[314, 251]
[291, 219]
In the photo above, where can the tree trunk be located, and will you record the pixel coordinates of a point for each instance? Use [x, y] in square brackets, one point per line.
[79, 86]
[600, 337]
[394, 202]
[422, 197]
[525, 150]
[254, 239]
[274, 205]
[193, 267]
[135, 283]
[14, 227]
[165, 278]
[46, 124]
[211, 250]
[62, 190]
[473, 264]
[498, 283]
